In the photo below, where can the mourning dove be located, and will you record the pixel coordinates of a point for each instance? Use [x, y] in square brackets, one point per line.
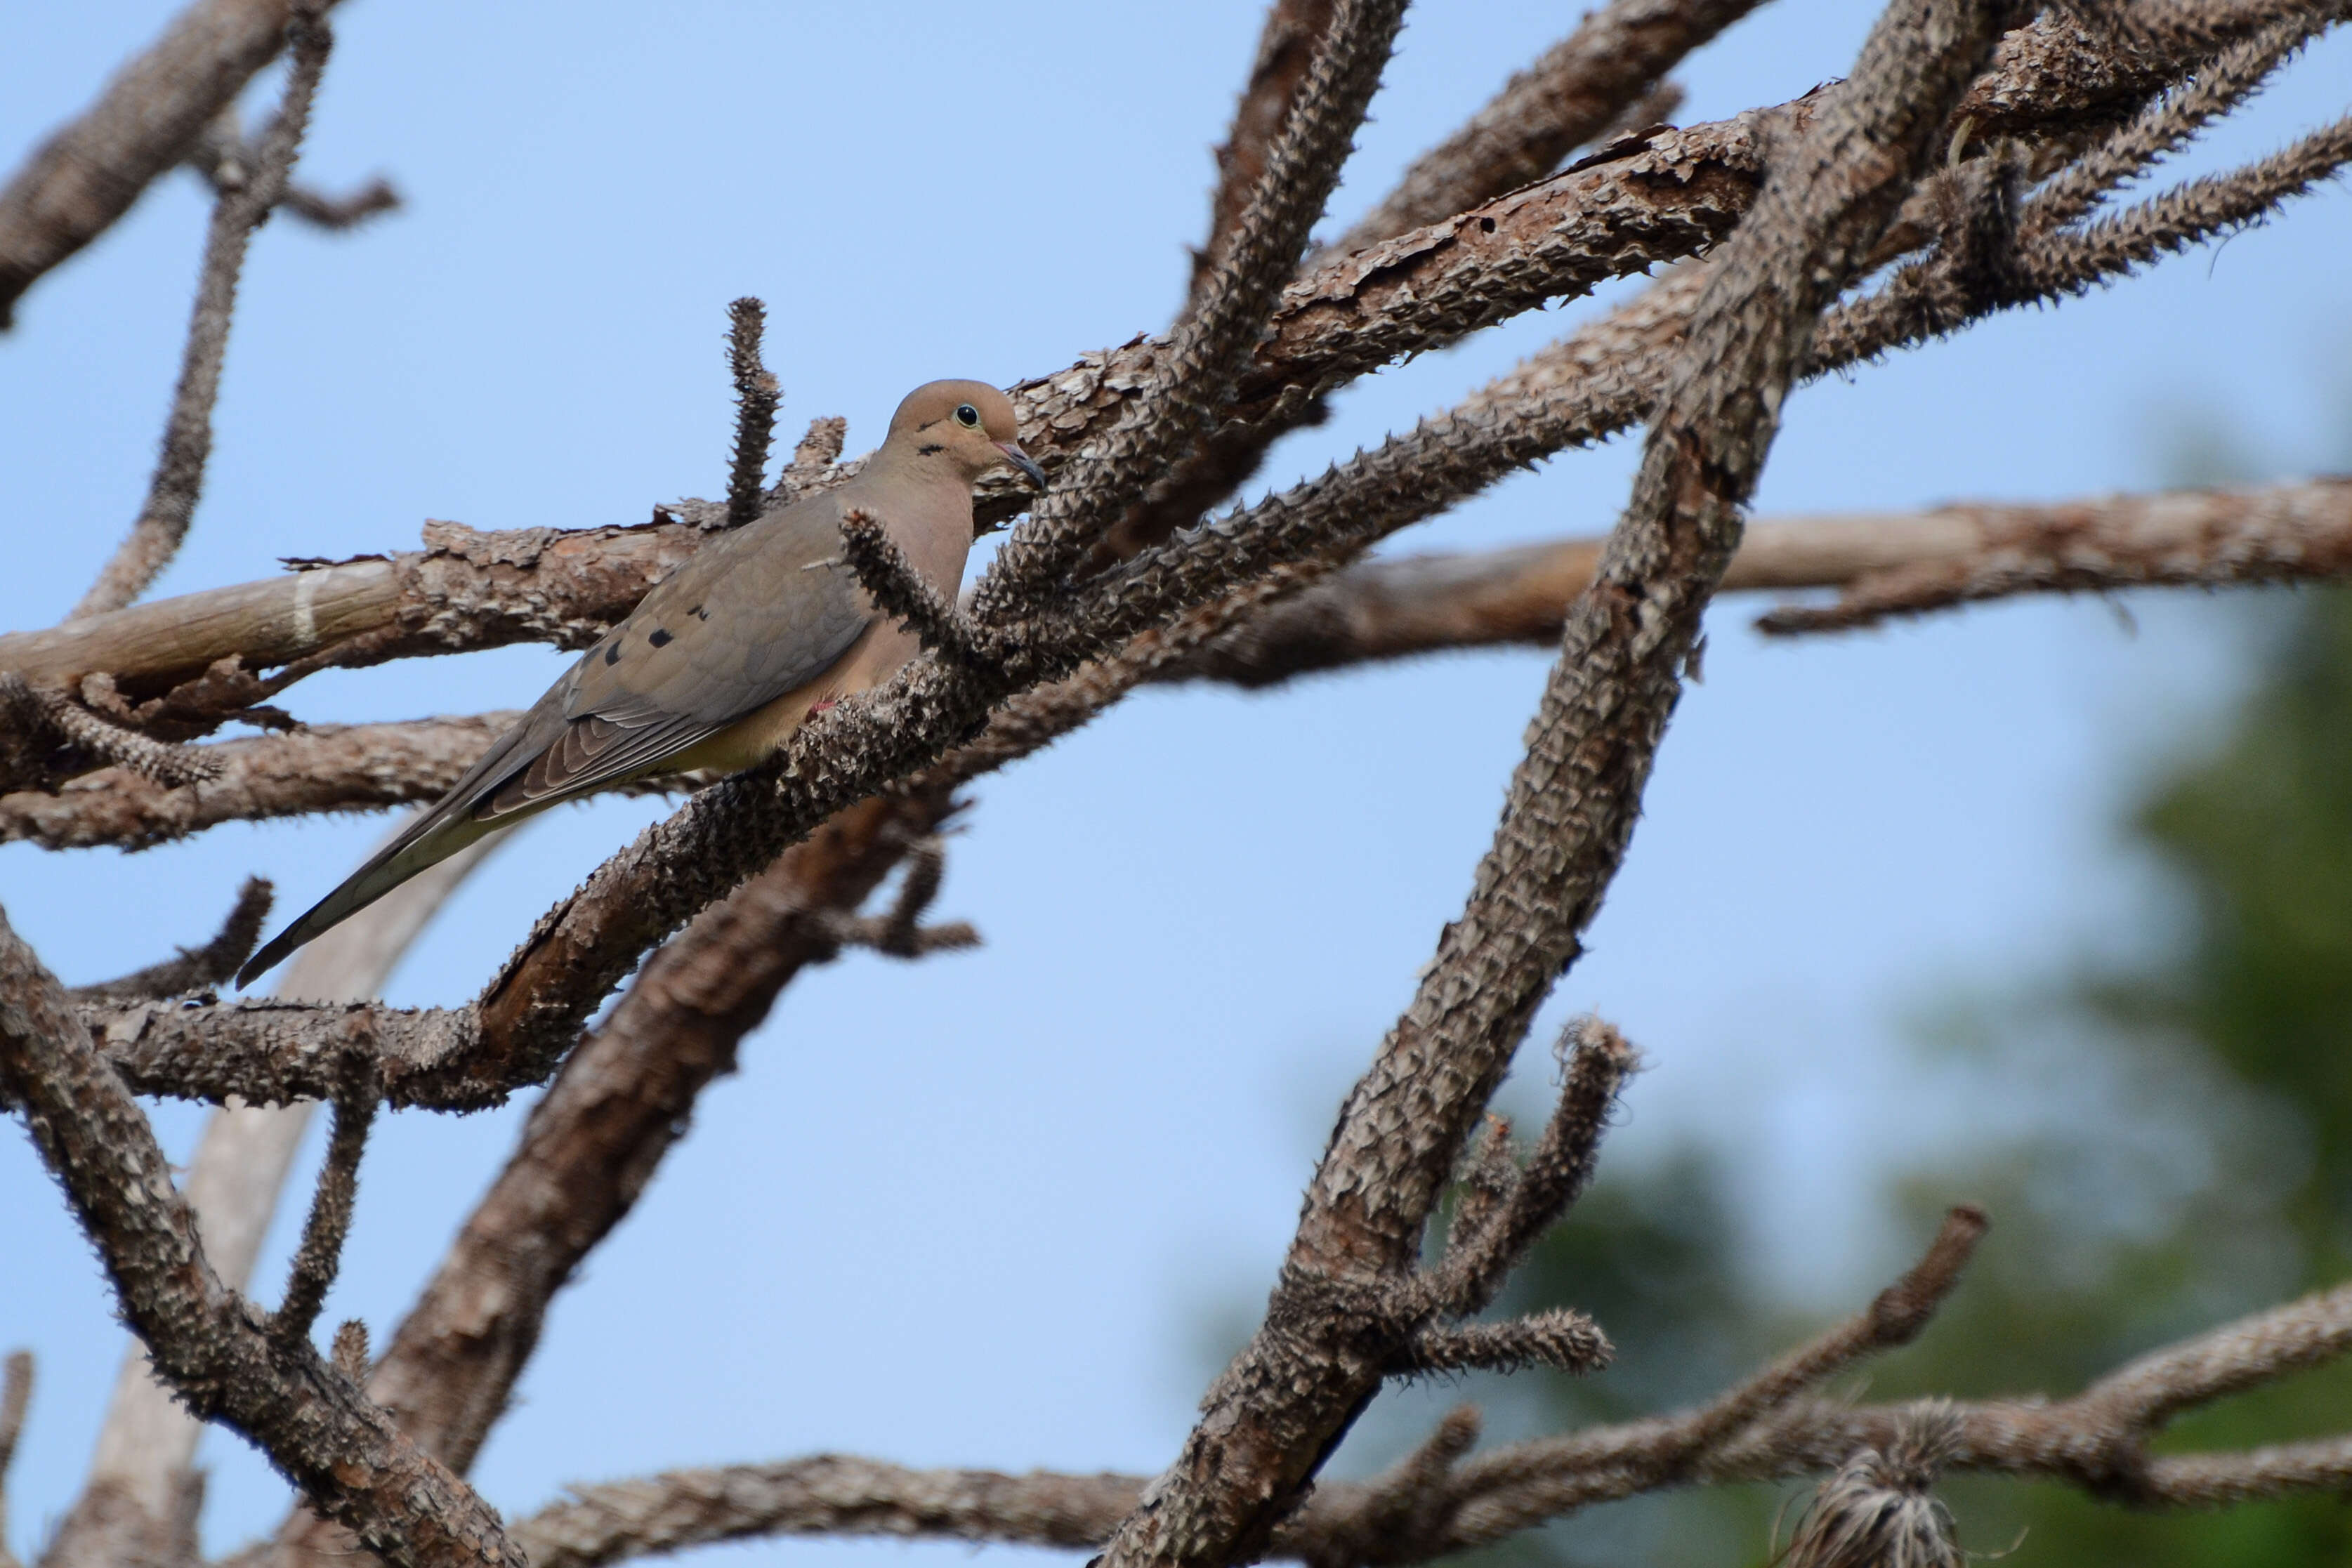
[721, 661]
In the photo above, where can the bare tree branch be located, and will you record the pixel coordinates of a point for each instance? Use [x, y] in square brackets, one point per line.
[320, 1255]
[345, 1454]
[1887, 563]
[179, 479]
[78, 737]
[133, 1505]
[16, 1393]
[1440, 1502]
[221, 156]
[1196, 372]
[1283, 1402]
[756, 398]
[1285, 49]
[89, 173]
[596, 1138]
[1563, 100]
[196, 968]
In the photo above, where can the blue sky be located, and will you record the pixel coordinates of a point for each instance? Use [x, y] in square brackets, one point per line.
[975, 1211]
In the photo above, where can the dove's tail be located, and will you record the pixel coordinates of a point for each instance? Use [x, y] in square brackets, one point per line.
[429, 841]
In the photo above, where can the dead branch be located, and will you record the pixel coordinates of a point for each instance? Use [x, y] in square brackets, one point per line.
[1677, 195]
[196, 969]
[1285, 49]
[89, 173]
[221, 156]
[1886, 563]
[1287, 1397]
[904, 594]
[596, 1137]
[321, 1254]
[135, 1503]
[80, 738]
[345, 1454]
[756, 397]
[16, 1395]
[1443, 1501]
[321, 767]
[1197, 370]
[1563, 100]
[179, 479]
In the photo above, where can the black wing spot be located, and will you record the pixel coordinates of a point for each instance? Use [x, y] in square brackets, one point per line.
[612, 653]
[928, 447]
[658, 637]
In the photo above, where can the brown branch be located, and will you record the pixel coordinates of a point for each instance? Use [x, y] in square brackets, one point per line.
[1438, 1502]
[1676, 196]
[321, 767]
[16, 1395]
[1285, 49]
[904, 594]
[821, 448]
[1887, 562]
[1196, 371]
[221, 157]
[179, 476]
[78, 740]
[596, 1138]
[1565, 100]
[136, 1502]
[89, 173]
[204, 1338]
[1282, 1403]
[196, 969]
[755, 411]
[320, 1255]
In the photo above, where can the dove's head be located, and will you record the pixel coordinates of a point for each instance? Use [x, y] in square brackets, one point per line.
[968, 424]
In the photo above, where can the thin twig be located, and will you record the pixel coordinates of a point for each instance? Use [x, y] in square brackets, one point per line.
[756, 398]
[319, 1258]
[1566, 99]
[196, 969]
[15, 1395]
[179, 479]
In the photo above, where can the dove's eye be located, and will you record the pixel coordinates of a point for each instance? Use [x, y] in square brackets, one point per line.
[967, 416]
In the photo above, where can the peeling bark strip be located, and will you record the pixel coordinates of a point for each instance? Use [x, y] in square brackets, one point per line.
[210, 1343]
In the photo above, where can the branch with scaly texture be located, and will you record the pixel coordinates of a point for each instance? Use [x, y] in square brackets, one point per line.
[1886, 563]
[1563, 100]
[1283, 1403]
[756, 397]
[1586, 387]
[89, 173]
[1446, 1501]
[1670, 198]
[1285, 49]
[16, 1393]
[195, 968]
[1197, 370]
[179, 479]
[208, 1342]
[594, 1140]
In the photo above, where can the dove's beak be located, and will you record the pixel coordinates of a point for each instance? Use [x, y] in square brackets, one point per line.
[1022, 461]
